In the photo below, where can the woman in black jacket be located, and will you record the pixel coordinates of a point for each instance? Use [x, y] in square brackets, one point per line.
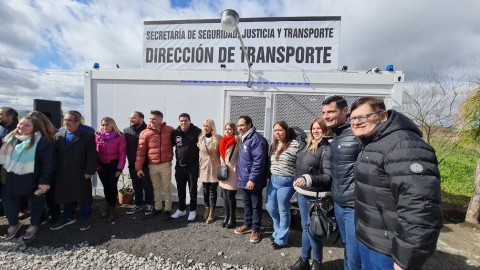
[313, 176]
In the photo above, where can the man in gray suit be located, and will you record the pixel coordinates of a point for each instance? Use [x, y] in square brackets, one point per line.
[77, 159]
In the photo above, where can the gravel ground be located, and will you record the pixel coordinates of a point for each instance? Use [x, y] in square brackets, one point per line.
[136, 242]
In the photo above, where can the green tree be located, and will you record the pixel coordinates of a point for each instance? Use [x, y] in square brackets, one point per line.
[469, 117]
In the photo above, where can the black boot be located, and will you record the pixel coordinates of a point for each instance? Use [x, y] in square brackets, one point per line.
[316, 265]
[300, 264]
[227, 217]
[232, 221]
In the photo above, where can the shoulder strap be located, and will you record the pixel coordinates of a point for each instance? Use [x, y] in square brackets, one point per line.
[231, 153]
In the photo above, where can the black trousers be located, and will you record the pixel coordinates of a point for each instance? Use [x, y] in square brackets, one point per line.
[184, 176]
[230, 202]
[109, 181]
[142, 186]
[210, 194]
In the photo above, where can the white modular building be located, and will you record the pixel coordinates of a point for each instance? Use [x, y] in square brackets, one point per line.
[224, 90]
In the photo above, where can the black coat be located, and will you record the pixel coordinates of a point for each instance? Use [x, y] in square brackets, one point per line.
[131, 136]
[398, 193]
[75, 160]
[315, 168]
[345, 149]
[44, 171]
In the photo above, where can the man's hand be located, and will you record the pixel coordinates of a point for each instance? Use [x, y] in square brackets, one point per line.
[396, 267]
[118, 173]
[140, 174]
[87, 176]
[250, 185]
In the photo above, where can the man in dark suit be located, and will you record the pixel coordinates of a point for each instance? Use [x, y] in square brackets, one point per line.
[8, 122]
[77, 159]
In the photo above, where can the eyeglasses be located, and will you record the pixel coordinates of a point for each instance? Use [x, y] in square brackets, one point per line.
[363, 118]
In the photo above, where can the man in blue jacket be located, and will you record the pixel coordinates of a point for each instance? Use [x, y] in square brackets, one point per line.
[252, 172]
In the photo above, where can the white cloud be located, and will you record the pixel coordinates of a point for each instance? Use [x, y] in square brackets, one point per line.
[412, 35]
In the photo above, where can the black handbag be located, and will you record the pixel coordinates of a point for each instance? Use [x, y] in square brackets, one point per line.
[323, 224]
[222, 170]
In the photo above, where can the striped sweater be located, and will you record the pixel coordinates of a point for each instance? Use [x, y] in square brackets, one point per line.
[285, 165]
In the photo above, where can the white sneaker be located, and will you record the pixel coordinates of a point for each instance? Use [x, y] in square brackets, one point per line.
[178, 214]
[192, 215]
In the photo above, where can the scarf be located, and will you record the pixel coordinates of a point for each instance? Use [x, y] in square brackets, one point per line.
[107, 136]
[16, 157]
[226, 142]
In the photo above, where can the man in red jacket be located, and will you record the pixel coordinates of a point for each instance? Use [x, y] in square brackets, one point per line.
[155, 144]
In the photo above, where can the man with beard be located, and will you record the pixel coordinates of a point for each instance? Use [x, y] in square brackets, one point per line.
[142, 186]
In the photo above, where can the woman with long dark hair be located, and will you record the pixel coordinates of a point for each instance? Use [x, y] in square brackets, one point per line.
[229, 148]
[313, 176]
[283, 155]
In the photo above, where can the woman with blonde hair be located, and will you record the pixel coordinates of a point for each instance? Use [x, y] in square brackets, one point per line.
[313, 176]
[29, 161]
[111, 149]
[208, 143]
[229, 148]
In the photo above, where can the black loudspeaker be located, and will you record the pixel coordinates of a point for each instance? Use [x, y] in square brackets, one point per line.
[51, 108]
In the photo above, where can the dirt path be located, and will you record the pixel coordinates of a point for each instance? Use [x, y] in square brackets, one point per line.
[458, 247]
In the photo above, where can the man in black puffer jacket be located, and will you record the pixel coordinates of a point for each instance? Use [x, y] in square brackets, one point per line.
[398, 213]
[344, 151]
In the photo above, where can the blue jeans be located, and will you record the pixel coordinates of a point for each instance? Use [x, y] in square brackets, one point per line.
[372, 260]
[279, 192]
[85, 210]
[346, 224]
[309, 244]
[252, 207]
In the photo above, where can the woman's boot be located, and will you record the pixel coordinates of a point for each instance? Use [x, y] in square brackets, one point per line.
[227, 216]
[232, 220]
[206, 213]
[211, 216]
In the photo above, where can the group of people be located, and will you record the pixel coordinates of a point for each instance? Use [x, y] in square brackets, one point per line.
[382, 177]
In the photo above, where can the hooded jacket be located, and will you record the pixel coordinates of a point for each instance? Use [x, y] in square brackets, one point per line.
[398, 193]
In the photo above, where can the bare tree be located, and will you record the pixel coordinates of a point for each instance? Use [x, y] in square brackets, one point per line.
[433, 106]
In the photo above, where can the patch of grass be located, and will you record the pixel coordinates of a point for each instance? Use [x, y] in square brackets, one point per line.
[458, 172]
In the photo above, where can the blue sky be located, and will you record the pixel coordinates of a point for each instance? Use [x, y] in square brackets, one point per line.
[46, 45]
